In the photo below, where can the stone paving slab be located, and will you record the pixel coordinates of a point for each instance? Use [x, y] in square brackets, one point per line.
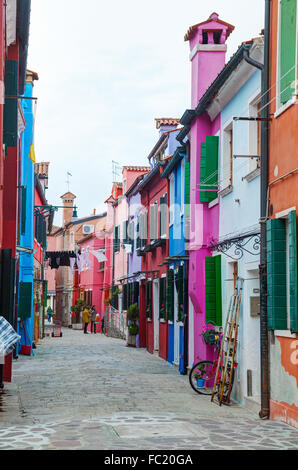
[91, 392]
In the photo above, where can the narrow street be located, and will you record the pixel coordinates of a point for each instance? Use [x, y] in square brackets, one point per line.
[90, 392]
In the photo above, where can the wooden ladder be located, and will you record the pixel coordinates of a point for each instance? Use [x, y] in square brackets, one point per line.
[225, 369]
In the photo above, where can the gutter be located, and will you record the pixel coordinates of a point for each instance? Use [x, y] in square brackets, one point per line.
[264, 333]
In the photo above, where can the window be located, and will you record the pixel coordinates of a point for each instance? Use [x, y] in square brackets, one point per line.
[287, 50]
[71, 238]
[227, 158]
[182, 186]
[124, 187]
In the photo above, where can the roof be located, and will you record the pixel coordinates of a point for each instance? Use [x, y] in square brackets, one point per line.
[155, 171]
[164, 137]
[213, 17]
[166, 122]
[134, 185]
[178, 155]
[86, 219]
[137, 168]
[68, 194]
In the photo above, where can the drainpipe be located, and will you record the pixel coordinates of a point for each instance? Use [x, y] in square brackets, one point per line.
[264, 337]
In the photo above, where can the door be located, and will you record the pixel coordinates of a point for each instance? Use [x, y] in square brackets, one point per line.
[176, 327]
[156, 313]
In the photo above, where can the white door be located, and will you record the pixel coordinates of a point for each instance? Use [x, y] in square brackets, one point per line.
[190, 335]
[176, 327]
[156, 313]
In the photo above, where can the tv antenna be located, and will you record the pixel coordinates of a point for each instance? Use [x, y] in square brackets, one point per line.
[68, 180]
[116, 170]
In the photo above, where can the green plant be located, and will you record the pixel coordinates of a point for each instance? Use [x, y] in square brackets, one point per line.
[201, 368]
[116, 292]
[133, 329]
[133, 312]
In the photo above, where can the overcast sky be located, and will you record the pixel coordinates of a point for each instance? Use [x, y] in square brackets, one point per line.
[106, 71]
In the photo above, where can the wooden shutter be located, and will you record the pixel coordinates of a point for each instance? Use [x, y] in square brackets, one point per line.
[209, 169]
[187, 189]
[7, 286]
[116, 239]
[10, 126]
[213, 290]
[135, 299]
[218, 319]
[180, 293]
[170, 295]
[163, 215]
[162, 298]
[149, 299]
[288, 11]
[124, 301]
[125, 232]
[25, 300]
[293, 271]
[276, 274]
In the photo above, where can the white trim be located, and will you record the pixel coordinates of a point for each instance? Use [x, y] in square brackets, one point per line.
[285, 213]
[163, 276]
[162, 320]
[285, 334]
[213, 203]
[207, 48]
[286, 106]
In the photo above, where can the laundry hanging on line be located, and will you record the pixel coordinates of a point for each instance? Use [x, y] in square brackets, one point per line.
[99, 255]
[60, 258]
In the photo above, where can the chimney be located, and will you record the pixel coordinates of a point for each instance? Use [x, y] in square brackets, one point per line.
[208, 49]
[68, 204]
[42, 170]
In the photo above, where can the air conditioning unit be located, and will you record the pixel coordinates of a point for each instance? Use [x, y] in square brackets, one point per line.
[87, 229]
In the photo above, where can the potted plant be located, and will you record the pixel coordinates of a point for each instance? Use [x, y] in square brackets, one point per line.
[76, 314]
[132, 319]
[209, 335]
[201, 371]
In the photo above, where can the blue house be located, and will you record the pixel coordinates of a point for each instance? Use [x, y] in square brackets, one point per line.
[26, 271]
[177, 173]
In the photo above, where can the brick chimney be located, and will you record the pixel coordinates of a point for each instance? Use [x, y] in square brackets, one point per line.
[42, 170]
[68, 203]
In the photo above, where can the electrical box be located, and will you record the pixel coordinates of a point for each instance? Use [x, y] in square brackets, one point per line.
[255, 306]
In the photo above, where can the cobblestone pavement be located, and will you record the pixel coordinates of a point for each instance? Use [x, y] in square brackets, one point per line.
[91, 392]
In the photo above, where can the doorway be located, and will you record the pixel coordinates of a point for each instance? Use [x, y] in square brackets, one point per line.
[156, 313]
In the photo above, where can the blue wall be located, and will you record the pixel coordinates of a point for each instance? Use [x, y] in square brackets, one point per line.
[26, 271]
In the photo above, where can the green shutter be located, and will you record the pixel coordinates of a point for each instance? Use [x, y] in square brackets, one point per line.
[293, 271]
[276, 274]
[124, 301]
[187, 189]
[213, 290]
[162, 298]
[180, 293]
[288, 13]
[125, 234]
[218, 320]
[23, 209]
[170, 295]
[10, 126]
[209, 169]
[135, 299]
[116, 245]
[149, 299]
[25, 300]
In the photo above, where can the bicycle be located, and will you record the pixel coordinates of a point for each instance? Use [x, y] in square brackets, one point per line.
[202, 375]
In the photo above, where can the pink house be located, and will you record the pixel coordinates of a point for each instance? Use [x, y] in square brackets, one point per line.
[208, 52]
[91, 278]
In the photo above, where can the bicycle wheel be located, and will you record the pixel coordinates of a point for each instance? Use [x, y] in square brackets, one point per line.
[202, 376]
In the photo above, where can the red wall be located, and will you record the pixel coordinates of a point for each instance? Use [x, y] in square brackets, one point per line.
[155, 189]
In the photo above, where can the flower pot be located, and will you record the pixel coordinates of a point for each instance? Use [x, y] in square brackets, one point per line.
[200, 383]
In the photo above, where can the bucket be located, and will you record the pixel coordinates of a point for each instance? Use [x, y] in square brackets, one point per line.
[200, 383]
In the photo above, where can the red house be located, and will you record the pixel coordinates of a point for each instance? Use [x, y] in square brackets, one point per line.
[154, 243]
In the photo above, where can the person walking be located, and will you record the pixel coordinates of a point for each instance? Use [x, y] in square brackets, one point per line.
[103, 324]
[49, 314]
[86, 318]
[93, 319]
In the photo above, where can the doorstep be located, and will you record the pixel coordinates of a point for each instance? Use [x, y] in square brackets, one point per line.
[252, 404]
